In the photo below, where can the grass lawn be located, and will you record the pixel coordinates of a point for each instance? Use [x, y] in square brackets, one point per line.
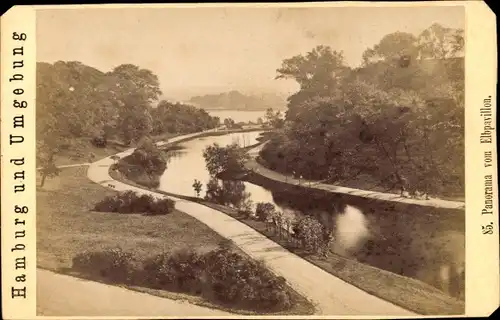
[66, 227]
[405, 292]
[80, 150]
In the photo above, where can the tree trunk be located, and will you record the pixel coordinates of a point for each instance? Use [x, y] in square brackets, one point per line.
[44, 176]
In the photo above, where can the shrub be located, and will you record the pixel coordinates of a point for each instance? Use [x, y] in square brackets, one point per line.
[131, 202]
[99, 141]
[234, 279]
[180, 271]
[161, 206]
[110, 264]
[221, 275]
[263, 210]
[145, 165]
[311, 233]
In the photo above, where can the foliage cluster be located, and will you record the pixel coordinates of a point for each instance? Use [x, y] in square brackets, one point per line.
[131, 202]
[221, 276]
[398, 118]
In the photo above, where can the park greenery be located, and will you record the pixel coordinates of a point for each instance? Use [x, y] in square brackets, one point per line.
[397, 120]
[221, 275]
[131, 202]
[304, 232]
[144, 165]
[80, 108]
[221, 159]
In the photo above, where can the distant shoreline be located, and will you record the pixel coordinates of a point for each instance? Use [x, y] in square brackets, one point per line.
[253, 110]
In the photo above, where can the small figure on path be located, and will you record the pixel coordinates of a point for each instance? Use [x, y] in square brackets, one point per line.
[405, 186]
[91, 157]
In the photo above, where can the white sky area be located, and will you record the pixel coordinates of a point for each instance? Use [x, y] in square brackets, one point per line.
[208, 50]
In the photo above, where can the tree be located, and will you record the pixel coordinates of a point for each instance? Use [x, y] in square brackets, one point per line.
[397, 118]
[50, 141]
[45, 159]
[181, 118]
[319, 73]
[79, 101]
[81, 94]
[224, 159]
[49, 170]
[397, 47]
[197, 186]
[274, 119]
[133, 82]
[136, 122]
[134, 91]
[229, 123]
[439, 42]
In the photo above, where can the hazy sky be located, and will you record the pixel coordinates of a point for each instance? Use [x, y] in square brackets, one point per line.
[202, 50]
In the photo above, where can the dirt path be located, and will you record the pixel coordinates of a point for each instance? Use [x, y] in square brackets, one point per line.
[273, 175]
[64, 296]
[331, 295]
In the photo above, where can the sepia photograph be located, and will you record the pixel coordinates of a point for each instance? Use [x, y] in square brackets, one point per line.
[236, 161]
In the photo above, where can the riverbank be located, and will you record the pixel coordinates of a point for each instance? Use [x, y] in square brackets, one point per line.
[351, 193]
[403, 291]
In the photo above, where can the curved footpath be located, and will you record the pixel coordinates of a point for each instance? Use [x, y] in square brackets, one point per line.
[276, 176]
[331, 295]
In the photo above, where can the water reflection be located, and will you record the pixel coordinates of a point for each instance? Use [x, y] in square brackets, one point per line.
[418, 242]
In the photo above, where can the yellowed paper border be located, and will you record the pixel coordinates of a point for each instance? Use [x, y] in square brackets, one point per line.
[482, 260]
[18, 163]
[482, 249]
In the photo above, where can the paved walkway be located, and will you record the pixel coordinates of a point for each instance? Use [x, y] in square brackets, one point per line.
[331, 295]
[65, 296]
[273, 175]
[71, 165]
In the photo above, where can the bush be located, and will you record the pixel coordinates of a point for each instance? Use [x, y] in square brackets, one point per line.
[311, 233]
[263, 210]
[145, 165]
[110, 264]
[180, 271]
[131, 202]
[234, 279]
[161, 206]
[99, 141]
[220, 275]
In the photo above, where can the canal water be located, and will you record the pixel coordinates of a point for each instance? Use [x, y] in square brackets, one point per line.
[417, 242]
